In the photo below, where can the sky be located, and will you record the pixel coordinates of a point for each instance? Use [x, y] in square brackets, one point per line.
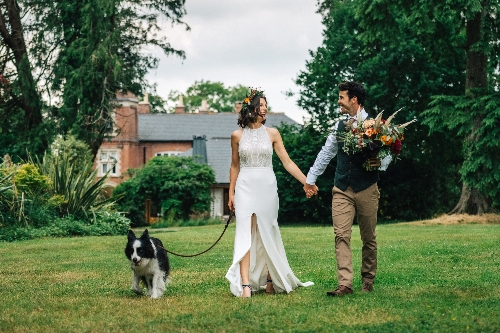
[258, 43]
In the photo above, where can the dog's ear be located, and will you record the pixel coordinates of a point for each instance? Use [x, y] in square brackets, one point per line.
[131, 235]
[145, 234]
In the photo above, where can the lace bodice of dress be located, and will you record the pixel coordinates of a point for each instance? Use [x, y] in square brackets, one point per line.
[255, 148]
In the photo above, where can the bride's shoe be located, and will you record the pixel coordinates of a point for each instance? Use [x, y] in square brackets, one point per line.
[270, 288]
[249, 287]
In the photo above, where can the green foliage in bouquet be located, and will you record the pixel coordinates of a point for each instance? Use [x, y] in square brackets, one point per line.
[375, 138]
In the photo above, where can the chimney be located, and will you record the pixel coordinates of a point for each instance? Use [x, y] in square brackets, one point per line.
[200, 149]
[237, 106]
[144, 106]
[180, 106]
[204, 106]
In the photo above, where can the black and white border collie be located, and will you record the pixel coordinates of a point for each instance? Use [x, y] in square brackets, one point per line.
[149, 262]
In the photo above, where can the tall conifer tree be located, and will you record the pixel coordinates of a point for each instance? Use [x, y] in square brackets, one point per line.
[63, 61]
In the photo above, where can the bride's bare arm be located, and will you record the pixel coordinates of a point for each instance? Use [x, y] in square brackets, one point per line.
[280, 150]
[234, 170]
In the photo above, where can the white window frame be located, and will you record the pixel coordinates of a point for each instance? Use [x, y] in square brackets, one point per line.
[109, 159]
[169, 153]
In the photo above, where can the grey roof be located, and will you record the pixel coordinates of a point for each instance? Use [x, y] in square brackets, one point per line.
[182, 127]
[219, 158]
[216, 127]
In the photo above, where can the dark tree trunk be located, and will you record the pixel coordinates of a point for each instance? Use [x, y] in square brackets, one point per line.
[476, 74]
[471, 200]
[11, 31]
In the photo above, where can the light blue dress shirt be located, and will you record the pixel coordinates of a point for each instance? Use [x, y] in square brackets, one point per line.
[329, 151]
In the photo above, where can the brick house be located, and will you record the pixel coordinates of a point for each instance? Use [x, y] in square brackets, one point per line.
[144, 135]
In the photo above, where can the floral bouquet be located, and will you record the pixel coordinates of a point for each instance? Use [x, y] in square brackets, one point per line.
[375, 138]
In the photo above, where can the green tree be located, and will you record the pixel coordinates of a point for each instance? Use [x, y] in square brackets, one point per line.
[177, 186]
[218, 97]
[20, 101]
[78, 53]
[400, 69]
[158, 104]
[77, 151]
[472, 28]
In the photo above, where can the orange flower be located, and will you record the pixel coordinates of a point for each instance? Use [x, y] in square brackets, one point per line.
[247, 100]
[386, 139]
[370, 131]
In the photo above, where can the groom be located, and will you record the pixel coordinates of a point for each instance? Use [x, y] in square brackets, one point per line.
[355, 193]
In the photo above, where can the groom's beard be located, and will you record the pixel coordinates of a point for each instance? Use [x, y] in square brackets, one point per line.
[343, 109]
[346, 108]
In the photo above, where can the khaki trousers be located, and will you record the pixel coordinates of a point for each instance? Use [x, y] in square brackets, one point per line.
[345, 205]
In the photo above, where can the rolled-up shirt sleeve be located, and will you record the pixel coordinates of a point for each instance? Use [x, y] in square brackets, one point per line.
[327, 152]
[384, 163]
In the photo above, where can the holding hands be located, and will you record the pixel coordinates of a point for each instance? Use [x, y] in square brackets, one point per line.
[310, 190]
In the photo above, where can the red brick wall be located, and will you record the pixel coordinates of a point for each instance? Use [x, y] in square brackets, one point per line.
[157, 147]
[126, 122]
[134, 153]
[144, 107]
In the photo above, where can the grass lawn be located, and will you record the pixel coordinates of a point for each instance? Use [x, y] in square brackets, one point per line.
[431, 278]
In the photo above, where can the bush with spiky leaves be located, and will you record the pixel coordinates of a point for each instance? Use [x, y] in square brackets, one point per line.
[55, 197]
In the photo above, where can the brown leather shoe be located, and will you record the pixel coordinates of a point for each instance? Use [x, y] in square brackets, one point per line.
[367, 287]
[340, 291]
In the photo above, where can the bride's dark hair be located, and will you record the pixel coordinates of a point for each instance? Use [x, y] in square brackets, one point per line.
[249, 114]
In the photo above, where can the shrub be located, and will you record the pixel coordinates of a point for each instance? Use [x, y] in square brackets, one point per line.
[56, 197]
[192, 222]
[176, 186]
[5, 190]
[29, 179]
[75, 183]
[77, 151]
[24, 195]
[104, 223]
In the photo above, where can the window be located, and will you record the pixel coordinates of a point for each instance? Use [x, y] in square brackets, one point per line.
[109, 160]
[169, 153]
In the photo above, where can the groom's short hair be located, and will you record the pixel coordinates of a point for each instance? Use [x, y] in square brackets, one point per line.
[354, 89]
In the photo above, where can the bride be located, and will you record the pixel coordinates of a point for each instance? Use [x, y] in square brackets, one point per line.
[259, 256]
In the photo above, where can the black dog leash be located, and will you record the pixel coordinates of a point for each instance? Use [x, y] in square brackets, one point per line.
[231, 215]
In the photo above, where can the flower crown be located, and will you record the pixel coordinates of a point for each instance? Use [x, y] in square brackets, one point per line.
[250, 96]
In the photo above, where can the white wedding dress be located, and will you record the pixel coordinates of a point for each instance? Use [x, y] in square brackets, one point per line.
[256, 193]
